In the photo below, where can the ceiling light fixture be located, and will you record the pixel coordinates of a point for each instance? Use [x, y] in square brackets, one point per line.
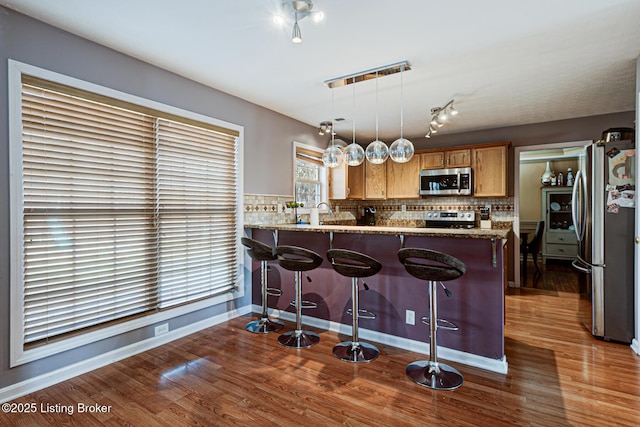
[402, 150]
[332, 156]
[298, 10]
[325, 127]
[439, 116]
[354, 153]
[377, 151]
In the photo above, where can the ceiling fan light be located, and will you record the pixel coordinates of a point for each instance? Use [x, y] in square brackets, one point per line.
[317, 16]
[296, 37]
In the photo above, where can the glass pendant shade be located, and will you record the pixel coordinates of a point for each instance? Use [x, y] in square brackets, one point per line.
[401, 151]
[332, 157]
[353, 155]
[377, 152]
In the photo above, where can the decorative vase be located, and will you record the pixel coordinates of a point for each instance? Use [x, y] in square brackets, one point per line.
[546, 176]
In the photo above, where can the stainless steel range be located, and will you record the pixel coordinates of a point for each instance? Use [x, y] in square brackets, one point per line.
[450, 219]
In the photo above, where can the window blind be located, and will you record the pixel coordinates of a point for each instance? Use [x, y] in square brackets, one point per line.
[124, 213]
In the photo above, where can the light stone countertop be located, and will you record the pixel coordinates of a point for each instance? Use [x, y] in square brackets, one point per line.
[473, 233]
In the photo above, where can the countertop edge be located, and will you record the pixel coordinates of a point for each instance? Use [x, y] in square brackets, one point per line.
[473, 233]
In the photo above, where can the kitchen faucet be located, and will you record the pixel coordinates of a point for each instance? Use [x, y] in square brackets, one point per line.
[328, 207]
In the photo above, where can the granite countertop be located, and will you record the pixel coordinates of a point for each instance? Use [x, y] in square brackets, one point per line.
[474, 233]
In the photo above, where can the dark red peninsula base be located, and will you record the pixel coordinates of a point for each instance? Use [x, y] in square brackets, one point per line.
[476, 304]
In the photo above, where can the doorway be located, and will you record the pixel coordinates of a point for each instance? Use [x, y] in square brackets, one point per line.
[555, 261]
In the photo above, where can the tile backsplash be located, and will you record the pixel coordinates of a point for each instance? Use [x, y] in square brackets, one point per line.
[270, 209]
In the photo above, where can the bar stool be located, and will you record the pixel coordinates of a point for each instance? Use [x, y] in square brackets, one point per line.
[355, 265]
[443, 267]
[298, 259]
[263, 253]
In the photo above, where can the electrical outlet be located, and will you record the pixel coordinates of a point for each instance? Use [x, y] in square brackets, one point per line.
[403, 208]
[161, 329]
[337, 209]
[280, 208]
[411, 317]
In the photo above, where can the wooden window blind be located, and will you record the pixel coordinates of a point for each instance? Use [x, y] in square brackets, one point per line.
[124, 212]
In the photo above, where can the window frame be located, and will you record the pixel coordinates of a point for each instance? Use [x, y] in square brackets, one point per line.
[324, 177]
[18, 355]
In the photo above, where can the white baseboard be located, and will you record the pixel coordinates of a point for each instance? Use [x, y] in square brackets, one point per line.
[635, 346]
[494, 365]
[31, 385]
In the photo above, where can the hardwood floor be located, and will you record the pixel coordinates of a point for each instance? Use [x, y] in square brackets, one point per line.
[556, 275]
[224, 376]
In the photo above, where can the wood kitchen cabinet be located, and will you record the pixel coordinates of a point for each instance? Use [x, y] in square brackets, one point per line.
[403, 179]
[457, 158]
[346, 182]
[432, 160]
[489, 166]
[375, 183]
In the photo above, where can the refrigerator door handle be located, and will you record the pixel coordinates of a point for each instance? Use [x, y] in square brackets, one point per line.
[577, 222]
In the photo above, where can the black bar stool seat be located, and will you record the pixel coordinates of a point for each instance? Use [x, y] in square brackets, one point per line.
[354, 265]
[263, 253]
[434, 267]
[296, 259]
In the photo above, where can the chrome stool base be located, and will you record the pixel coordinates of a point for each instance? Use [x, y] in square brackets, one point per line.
[437, 376]
[349, 351]
[264, 326]
[299, 339]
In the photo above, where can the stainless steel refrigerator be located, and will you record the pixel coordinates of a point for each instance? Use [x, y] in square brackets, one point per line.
[603, 212]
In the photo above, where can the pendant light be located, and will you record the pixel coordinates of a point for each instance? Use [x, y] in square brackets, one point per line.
[377, 151]
[332, 156]
[401, 151]
[354, 153]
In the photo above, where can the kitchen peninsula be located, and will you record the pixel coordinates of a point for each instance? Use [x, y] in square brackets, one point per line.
[476, 304]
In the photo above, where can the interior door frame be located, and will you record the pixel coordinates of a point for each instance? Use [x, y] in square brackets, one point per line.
[516, 196]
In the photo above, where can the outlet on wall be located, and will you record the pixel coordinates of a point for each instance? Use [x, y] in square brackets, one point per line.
[403, 208]
[161, 329]
[410, 317]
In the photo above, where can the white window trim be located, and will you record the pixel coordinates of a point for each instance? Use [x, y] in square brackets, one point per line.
[18, 355]
[324, 178]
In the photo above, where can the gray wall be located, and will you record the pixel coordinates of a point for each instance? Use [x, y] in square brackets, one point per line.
[268, 145]
[583, 128]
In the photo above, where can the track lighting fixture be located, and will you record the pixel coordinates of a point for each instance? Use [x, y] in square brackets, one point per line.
[297, 10]
[439, 116]
[325, 127]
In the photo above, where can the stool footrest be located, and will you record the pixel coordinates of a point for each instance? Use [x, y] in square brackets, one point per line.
[305, 304]
[274, 292]
[442, 324]
[363, 314]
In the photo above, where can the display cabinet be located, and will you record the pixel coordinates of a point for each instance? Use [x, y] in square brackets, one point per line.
[559, 240]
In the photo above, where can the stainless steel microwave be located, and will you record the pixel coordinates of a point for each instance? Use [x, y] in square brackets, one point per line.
[446, 182]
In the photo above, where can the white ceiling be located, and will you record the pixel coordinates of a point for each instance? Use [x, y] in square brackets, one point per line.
[505, 62]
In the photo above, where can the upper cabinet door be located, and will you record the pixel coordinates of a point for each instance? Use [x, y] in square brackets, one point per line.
[403, 179]
[434, 160]
[376, 181]
[490, 171]
[459, 158]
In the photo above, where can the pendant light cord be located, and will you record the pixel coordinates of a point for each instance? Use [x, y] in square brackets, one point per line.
[354, 110]
[376, 106]
[401, 100]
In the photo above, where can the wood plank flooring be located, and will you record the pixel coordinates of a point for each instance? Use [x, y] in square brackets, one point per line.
[224, 376]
